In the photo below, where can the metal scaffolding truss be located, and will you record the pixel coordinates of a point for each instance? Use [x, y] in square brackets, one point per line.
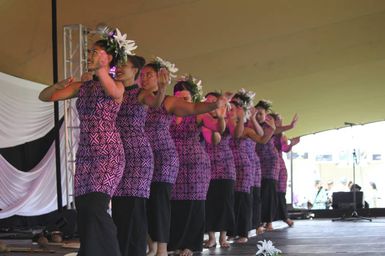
[75, 39]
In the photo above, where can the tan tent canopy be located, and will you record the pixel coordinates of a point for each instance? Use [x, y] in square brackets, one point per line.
[324, 59]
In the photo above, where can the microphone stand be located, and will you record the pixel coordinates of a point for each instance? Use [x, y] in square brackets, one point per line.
[354, 216]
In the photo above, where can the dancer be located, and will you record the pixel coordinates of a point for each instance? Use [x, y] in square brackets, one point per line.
[129, 201]
[269, 160]
[282, 145]
[166, 162]
[220, 196]
[190, 189]
[100, 158]
[256, 165]
[244, 168]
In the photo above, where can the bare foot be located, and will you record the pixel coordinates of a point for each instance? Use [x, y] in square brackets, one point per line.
[289, 222]
[260, 230]
[186, 252]
[242, 240]
[151, 253]
[210, 244]
[230, 238]
[269, 226]
[224, 243]
[161, 254]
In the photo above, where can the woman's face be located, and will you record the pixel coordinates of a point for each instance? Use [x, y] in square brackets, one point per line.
[211, 99]
[126, 72]
[261, 115]
[185, 95]
[149, 78]
[278, 121]
[93, 57]
[232, 112]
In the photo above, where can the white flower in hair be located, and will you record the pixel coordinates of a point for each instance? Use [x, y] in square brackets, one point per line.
[172, 69]
[266, 248]
[127, 45]
[197, 86]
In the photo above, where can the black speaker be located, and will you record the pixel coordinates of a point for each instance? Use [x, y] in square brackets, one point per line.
[344, 200]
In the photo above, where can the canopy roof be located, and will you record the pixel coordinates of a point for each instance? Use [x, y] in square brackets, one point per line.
[324, 60]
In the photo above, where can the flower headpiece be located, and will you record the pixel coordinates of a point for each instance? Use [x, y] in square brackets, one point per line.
[117, 44]
[166, 64]
[245, 100]
[196, 87]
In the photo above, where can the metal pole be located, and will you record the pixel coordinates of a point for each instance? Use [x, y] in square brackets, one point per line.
[56, 109]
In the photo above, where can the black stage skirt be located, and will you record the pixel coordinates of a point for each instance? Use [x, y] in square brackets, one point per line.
[281, 207]
[269, 200]
[187, 225]
[159, 212]
[97, 231]
[129, 215]
[256, 213]
[242, 210]
[220, 206]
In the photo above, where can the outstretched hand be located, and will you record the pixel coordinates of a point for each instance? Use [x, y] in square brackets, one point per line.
[163, 78]
[294, 120]
[64, 83]
[222, 102]
[103, 59]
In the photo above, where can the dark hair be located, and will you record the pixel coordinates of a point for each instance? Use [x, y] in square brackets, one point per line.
[264, 104]
[104, 44]
[274, 115]
[215, 94]
[137, 62]
[243, 99]
[183, 85]
[155, 66]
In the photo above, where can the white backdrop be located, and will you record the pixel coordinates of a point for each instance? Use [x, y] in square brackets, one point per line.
[24, 118]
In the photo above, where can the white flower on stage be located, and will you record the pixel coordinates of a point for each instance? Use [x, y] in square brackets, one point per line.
[266, 248]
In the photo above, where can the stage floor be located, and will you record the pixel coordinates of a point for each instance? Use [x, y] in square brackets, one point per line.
[307, 237]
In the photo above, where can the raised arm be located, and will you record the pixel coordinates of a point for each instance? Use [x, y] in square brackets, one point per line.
[180, 107]
[215, 124]
[235, 123]
[285, 128]
[112, 88]
[65, 89]
[155, 100]
[253, 120]
[286, 147]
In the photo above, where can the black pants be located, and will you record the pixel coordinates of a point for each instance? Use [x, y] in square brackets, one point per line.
[220, 206]
[242, 210]
[269, 200]
[96, 229]
[159, 212]
[129, 215]
[187, 225]
[256, 215]
[281, 207]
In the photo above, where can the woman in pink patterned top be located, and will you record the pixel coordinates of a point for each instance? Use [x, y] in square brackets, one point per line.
[166, 161]
[100, 156]
[244, 168]
[130, 198]
[281, 144]
[220, 196]
[189, 192]
[269, 159]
